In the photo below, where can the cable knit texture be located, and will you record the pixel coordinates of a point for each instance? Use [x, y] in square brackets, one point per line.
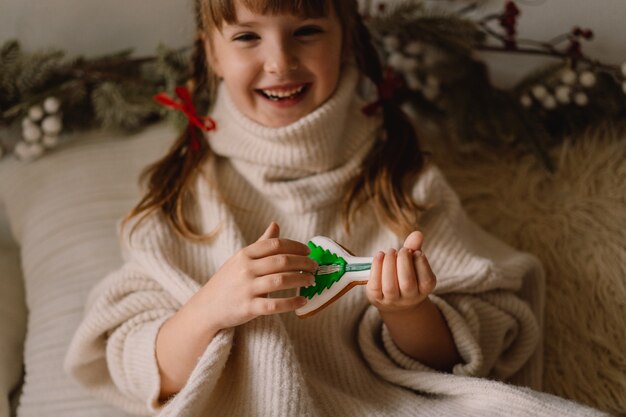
[342, 361]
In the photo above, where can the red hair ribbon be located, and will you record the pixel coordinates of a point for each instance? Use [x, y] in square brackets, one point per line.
[186, 106]
[387, 90]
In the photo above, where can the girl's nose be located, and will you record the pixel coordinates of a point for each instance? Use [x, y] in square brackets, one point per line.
[281, 61]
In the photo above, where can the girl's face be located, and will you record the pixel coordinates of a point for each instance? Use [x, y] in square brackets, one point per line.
[277, 68]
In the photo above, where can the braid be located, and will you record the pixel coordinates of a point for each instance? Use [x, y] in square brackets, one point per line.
[169, 180]
[394, 162]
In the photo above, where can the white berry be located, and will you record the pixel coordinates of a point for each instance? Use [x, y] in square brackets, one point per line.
[22, 151]
[549, 102]
[581, 99]
[430, 92]
[526, 101]
[50, 141]
[391, 43]
[52, 125]
[35, 113]
[432, 81]
[413, 82]
[563, 93]
[410, 64]
[31, 133]
[569, 77]
[396, 60]
[26, 122]
[36, 150]
[587, 79]
[539, 91]
[414, 48]
[51, 105]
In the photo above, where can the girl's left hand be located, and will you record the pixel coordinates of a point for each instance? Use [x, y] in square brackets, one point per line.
[401, 280]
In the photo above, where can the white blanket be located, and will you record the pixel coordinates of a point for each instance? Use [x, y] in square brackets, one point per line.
[341, 361]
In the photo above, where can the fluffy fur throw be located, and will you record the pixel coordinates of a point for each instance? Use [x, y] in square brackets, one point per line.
[574, 221]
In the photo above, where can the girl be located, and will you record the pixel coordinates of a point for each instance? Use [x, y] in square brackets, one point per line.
[192, 324]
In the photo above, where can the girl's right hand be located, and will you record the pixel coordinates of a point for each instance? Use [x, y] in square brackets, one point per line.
[238, 292]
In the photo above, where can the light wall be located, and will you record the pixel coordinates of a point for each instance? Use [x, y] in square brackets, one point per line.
[94, 27]
[543, 20]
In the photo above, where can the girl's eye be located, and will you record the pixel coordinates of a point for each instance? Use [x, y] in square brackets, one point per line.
[246, 37]
[308, 31]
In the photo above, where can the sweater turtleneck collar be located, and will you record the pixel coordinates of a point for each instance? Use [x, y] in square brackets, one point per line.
[313, 144]
[323, 149]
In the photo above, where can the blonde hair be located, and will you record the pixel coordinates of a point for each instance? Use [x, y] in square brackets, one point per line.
[387, 172]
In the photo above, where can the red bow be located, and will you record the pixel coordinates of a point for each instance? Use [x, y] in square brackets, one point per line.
[387, 90]
[186, 106]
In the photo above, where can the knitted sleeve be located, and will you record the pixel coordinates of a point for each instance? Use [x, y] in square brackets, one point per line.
[113, 351]
[490, 295]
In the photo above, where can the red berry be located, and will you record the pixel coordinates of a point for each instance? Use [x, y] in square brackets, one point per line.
[511, 8]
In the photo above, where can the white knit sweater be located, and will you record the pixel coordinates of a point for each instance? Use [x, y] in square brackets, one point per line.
[342, 361]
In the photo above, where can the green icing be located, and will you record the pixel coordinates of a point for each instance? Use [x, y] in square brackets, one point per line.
[323, 282]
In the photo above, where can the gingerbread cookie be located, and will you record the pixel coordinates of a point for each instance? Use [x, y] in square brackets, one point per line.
[337, 273]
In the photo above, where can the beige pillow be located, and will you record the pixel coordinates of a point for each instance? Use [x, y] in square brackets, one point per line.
[63, 210]
[12, 323]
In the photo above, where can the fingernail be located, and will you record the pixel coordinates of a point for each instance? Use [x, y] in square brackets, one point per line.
[417, 253]
[312, 281]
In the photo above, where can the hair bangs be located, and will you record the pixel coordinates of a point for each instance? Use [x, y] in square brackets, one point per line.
[220, 11]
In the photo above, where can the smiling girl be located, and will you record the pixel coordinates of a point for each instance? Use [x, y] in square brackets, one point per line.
[277, 68]
[199, 320]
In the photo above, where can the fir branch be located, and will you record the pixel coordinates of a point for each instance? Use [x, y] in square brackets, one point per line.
[116, 107]
[9, 68]
[38, 69]
[446, 31]
[449, 33]
[444, 81]
[172, 66]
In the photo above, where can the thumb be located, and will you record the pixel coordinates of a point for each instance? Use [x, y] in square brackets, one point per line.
[414, 240]
[272, 231]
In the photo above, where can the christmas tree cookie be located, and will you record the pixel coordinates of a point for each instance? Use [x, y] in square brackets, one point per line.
[337, 273]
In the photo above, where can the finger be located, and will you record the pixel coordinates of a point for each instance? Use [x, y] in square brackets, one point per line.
[275, 264]
[277, 282]
[275, 246]
[267, 306]
[272, 231]
[426, 276]
[374, 283]
[414, 240]
[391, 291]
[407, 277]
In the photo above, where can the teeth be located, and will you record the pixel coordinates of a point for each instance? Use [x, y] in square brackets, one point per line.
[283, 93]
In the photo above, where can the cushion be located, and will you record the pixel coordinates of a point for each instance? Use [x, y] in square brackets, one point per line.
[63, 210]
[12, 323]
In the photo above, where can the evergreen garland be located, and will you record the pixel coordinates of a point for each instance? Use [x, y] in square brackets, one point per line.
[432, 54]
[445, 82]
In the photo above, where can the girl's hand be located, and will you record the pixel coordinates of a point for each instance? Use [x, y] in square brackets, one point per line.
[401, 280]
[238, 292]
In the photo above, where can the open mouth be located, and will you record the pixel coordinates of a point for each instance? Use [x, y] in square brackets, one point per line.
[284, 95]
